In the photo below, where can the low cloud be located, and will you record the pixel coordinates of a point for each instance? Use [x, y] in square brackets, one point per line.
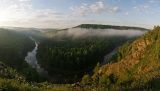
[142, 8]
[82, 32]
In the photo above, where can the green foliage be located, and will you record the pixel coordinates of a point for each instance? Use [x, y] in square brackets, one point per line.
[86, 80]
[73, 57]
[13, 48]
[122, 52]
[15, 85]
[97, 67]
[11, 80]
[32, 75]
[104, 80]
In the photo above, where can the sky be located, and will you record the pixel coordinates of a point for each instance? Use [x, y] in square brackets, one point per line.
[69, 13]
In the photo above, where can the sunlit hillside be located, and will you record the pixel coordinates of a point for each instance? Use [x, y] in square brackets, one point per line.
[134, 66]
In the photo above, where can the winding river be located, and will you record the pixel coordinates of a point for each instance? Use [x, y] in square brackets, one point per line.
[31, 59]
[108, 57]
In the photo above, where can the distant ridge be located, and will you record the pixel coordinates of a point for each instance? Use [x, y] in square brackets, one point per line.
[100, 26]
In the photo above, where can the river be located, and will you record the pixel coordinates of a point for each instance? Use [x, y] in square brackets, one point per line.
[108, 57]
[31, 59]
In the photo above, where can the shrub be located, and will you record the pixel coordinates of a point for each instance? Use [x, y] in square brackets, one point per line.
[86, 79]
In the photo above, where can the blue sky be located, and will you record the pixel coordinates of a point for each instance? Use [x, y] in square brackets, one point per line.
[68, 13]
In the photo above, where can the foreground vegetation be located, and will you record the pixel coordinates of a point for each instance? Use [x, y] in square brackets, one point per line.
[11, 80]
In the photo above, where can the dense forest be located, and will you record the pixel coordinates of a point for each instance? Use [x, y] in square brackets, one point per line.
[74, 57]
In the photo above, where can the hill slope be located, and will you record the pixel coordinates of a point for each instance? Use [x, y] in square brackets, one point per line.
[15, 73]
[135, 65]
[14, 46]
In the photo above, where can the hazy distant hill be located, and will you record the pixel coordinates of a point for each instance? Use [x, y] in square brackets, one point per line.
[84, 30]
[99, 26]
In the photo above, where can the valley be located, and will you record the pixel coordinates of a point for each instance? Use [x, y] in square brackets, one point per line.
[31, 59]
[79, 45]
[98, 59]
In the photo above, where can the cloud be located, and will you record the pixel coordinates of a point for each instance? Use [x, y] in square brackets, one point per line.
[142, 8]
[22, 13]
[149, 7]
[97, 7]
[24, 0]
[94, 8]
[81, 33]
[126, 13]
[154, 1]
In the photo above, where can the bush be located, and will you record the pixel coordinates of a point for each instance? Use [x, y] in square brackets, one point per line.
[104, 80]
[86, 80]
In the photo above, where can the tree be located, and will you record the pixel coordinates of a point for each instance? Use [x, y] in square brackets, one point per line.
[96, 68]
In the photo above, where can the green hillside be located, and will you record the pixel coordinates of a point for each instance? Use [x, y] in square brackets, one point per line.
[14, 46]
[135, 66]
[15, 73]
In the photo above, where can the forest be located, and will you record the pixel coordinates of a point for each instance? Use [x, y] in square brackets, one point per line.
[68, 54]
[74, 57]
